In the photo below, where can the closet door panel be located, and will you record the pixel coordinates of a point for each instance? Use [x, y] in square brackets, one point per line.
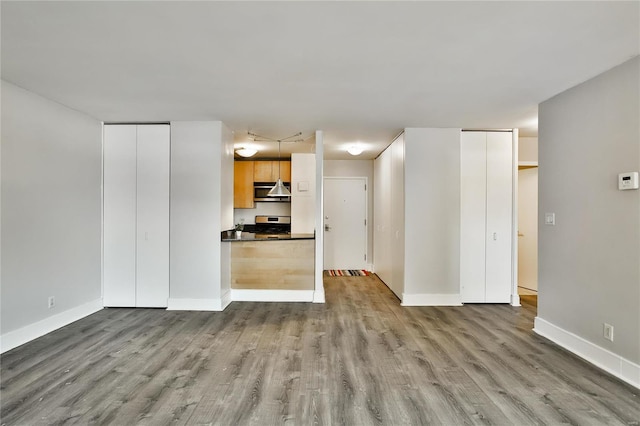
[473, 194]
[499, 217]
[119, 215]
[152, 275]
[382, 217]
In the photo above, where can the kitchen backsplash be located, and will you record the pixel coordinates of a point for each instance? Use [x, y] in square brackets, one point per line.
[267, 209]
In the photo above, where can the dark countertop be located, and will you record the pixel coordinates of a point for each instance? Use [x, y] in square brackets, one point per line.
[230, 236]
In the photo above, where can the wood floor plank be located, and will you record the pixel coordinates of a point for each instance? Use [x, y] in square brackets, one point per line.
[359, 359]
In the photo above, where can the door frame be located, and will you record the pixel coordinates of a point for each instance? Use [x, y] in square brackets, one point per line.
[365, 179]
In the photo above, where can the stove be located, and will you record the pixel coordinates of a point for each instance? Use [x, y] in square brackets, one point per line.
[272, 225]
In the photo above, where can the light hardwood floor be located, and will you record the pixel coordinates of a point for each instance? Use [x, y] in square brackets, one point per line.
[359, 359]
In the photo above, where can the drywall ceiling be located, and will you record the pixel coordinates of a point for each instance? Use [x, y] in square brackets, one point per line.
[359, 71]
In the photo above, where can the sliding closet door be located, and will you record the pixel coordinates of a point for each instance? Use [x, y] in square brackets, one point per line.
[473, 196]
[499, 208]
[119, 162]
[152, 266]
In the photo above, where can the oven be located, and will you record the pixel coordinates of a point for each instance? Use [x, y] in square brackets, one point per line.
[273, 225]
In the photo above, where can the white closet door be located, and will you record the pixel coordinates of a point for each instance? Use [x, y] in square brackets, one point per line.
[119, 215]
[382, 217]
[152, 274]
[473, 195]
[499, 195]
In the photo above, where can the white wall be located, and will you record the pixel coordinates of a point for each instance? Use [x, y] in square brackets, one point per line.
[589, 271]
[303, 202]
[51, 215]
[528, 149]
[432, 216]
[356, 168]
[201, 207]
[262, 208]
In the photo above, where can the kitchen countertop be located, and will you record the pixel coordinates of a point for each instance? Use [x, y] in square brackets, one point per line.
[250, 236]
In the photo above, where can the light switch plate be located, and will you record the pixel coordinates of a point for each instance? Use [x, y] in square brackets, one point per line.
[549, 218]
[628, 180]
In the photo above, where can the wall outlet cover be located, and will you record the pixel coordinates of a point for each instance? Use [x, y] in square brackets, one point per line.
[549, 218]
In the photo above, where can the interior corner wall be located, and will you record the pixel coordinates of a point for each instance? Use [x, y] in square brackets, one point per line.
[196, 214]
[528, 149]
[432, 215]
[356, 168]
[51, 215]
[226, 211]
[589, 269]
[226, 178]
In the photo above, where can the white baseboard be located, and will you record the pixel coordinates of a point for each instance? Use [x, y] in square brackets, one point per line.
[318, 296]
[242, 295]
[427, 299]
[226, 299]
[515, 300]
[175, 304]
[594, 354]
[18, 337]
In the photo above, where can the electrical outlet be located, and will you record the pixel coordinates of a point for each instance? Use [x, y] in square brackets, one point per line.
[51, 302]
[608, 331]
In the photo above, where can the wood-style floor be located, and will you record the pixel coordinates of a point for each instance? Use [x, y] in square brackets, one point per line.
[359, 359]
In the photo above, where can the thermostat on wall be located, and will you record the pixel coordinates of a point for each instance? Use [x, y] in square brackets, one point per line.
[628, 180]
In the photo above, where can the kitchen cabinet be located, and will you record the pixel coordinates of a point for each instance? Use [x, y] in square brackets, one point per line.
[136, 215]
[486, 195]
[243, 172]
[267, 171]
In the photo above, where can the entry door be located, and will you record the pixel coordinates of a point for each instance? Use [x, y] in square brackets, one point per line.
[345, 227]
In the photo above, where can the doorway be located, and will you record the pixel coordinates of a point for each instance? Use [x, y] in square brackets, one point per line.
[527, 229]
[345, 223]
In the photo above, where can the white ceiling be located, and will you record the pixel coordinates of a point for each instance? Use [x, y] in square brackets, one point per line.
[359, 71]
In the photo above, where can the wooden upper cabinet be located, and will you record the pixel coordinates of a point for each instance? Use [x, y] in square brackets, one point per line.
[285, 170]
[243, 184]
[267, 171]
[263, 171]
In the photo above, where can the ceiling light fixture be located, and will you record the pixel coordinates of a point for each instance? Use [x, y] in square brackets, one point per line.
[279, 190]
[355, 150]
[246, 152]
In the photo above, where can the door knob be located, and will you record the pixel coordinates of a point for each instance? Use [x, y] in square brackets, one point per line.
[327, 228]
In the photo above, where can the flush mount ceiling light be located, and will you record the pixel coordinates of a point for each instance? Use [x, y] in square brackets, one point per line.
[355, 150]
[246, 152]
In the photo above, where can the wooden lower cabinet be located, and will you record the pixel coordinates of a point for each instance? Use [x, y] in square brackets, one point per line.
[273, 265]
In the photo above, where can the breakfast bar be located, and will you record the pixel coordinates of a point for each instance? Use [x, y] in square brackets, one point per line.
[284, 263]
[269, 257]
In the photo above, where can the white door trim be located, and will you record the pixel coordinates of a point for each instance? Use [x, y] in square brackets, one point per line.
[515, 298]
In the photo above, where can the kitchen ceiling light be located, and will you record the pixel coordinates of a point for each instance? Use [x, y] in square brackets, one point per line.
[279, 190]
[246, 152]
[355, 150]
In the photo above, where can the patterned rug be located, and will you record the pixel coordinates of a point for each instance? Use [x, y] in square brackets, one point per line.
[348, 273]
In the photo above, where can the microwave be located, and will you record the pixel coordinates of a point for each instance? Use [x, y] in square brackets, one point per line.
[261, 189]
